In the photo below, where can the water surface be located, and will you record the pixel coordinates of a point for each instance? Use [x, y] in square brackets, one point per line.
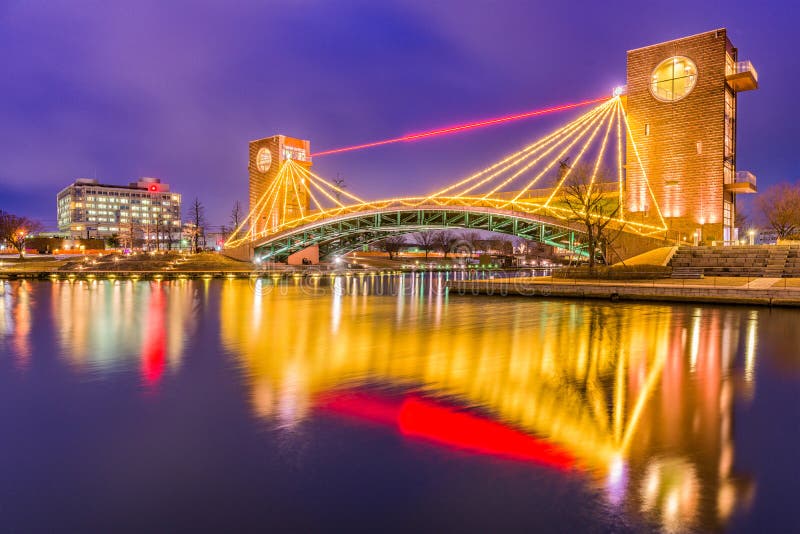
[383, 402]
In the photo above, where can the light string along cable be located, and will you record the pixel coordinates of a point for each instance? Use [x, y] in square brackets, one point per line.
[298, 196]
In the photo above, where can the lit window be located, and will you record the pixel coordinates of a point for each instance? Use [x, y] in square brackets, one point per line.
[290, 152]
[673, 79]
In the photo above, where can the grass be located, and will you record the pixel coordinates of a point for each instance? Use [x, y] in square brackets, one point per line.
[170, 261]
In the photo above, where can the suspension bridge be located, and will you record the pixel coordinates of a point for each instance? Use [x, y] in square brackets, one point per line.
[525, 194]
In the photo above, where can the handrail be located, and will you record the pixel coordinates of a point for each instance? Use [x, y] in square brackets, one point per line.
[745, 66]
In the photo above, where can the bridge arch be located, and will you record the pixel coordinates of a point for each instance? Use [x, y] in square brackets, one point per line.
[348, 232]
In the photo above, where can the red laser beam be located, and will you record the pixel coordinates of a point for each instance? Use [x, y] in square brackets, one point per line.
[461, 127]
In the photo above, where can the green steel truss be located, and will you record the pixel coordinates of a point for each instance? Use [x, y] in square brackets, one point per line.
[345, 234]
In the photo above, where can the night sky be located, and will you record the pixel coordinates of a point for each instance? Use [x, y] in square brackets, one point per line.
[118, 90]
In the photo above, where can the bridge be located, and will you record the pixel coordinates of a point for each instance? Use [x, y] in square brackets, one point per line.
[551, 190]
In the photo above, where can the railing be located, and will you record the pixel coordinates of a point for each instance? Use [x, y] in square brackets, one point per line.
[745, 177]
[745, 66]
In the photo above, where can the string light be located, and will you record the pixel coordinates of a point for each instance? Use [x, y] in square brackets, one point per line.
[559, 157]
[530, 147]
[577, 160]
[644, 174]
[285, 205]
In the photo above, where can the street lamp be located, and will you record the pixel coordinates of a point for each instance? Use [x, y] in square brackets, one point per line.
[752, 235]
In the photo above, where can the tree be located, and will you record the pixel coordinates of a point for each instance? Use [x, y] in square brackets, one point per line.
[392, 244]
[471, 238]
[445, 240]
[426, 241]
[591, 207]
[113, 241]
[198, 220]
[169, 227]
[780, 205]
[129, 238]
[16, 229]
[237, 213]
[339, 183]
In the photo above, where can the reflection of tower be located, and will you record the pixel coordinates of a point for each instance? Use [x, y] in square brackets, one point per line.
[681, 105]
[266, 159]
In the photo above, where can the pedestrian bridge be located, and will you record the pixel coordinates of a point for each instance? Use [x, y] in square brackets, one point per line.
[347, 231]
[549, 191]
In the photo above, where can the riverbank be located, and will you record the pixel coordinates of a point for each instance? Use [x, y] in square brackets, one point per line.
[753, 291]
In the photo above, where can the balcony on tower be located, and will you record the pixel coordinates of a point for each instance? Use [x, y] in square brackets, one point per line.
[744, 182]
[743, 77]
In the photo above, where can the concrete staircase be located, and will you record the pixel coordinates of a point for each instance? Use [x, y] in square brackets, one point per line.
[792, 267]
[773, 261]
[776, 263]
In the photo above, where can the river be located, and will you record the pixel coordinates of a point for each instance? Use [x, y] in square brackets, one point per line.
[381, 402]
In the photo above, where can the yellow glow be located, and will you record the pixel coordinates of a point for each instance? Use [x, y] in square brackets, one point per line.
[577, 160]
[274, 205]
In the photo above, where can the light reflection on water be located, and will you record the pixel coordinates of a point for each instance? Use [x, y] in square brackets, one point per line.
[105, 326]
[637, 399]
[641, 395]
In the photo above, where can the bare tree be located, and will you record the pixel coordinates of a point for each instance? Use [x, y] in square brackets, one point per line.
[471, 238]
[16, 229]
[392, 244]
[780, 205]
[170, 233]
[591, 207]
[237, 214]
[198, 219]
[445, 240]
[426, 241]
[128, 237]
[339, 183]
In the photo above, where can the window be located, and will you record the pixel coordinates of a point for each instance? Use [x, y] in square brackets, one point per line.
[727, 173]
[727, 214]
[730, 124]
[290, 152]
[673, 79]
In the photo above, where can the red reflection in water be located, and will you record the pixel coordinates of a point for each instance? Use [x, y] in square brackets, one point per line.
[154, 345]
[446, 425]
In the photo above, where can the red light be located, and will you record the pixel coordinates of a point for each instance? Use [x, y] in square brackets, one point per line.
[154, 342]
[463, 430]
[153, 188]
[420, 418]
[461, 127]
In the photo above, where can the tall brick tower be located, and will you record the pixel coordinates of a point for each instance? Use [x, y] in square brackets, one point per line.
[681, 105]
[266, 158]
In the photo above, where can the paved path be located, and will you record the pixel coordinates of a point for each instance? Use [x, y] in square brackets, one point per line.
[762, 283]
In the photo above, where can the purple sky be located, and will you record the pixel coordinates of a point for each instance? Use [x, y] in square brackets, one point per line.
[117, 90]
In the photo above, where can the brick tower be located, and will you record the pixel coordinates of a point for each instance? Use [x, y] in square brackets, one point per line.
[681, 105]
[266, 157]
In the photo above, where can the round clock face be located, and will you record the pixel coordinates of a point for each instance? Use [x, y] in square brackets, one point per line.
[263, 160]
[673, 79]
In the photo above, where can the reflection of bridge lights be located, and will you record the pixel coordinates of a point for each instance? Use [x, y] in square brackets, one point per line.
[750, 347]
[672, 490]
[617, 480]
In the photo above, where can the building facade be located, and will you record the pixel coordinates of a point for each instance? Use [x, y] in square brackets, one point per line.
[145, 210]
[681, 105]
[266, 158]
